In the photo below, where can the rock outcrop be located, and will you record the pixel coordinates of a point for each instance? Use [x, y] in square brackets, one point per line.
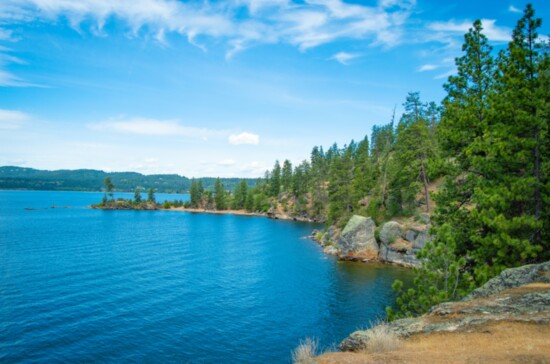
[358, 240]
[518, 294]
[397, 244]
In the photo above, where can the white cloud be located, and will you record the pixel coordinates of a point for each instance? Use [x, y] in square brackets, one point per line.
[153, 127]
[244, 138]
[513, 9]
[427, 67]
[227, 162]
[12, 119]
[490, 29]
[344, 57]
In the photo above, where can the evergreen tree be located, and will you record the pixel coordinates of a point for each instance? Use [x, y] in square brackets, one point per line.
[109, 188]
[415, 148]
[249, 204]
[137, 195]
[219, 195]
[151, 196]
[194, 194]
[286, 176]
[275, 180]
[240, 195]
[341, 203]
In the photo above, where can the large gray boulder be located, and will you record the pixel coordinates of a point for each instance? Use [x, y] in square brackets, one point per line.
[388, 254]
[390, 232]
[357, 238]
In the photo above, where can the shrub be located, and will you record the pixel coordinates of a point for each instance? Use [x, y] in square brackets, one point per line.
[305, 352]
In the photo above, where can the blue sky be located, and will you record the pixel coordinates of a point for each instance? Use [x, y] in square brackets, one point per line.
[219, 88]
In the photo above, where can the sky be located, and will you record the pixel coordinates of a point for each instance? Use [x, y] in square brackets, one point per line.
[220, 88]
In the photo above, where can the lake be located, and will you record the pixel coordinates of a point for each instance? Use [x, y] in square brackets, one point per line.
[83, 285]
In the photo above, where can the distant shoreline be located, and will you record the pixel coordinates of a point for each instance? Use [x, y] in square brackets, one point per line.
[219, 212]
[269, 215]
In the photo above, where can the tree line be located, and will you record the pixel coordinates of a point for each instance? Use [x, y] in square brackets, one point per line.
[485, 148]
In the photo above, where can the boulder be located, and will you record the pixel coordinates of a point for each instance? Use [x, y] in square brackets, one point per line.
[390, 232]
[513, 278]
[357, 238]
[421, 239]
[410, 235]
[406, 259]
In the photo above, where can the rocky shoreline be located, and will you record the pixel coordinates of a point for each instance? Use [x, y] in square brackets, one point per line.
[361, 240]
[157, 207]
[517, 298]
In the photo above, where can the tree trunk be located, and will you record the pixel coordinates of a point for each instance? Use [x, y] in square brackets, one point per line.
[425, 182]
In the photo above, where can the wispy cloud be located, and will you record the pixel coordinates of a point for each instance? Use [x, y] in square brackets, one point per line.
[12, 119]
[154, 127]
[445, 74]
[304, 25]
[244, 138]
[344, 57]
[513, 9]
[428, 67]
[490, 29]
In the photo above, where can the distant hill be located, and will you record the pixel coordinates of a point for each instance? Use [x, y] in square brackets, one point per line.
[18, 178]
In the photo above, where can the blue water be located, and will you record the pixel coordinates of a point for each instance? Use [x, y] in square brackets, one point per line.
[83, 285]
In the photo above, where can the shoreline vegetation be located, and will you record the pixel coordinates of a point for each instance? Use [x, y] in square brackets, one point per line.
[178, 205]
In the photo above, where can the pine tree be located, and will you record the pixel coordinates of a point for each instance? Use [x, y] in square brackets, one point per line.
[194, 194]
[219, 195]
[341, 203]
[240, 195]
[275, 180]
[137, 195]
[151, 196]
[286, 176]
[415, 151]
[509, 197]
[109, 188]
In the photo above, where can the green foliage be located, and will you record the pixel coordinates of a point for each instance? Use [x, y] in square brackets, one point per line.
[151, 196]
[441, 278]
[109, 188]
[240, 195]
[137, 196]
[275, 180]
[220, 197]
[493, 210]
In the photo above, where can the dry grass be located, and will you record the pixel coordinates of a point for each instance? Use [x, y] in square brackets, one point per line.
[493, 343]
[305, 352]
[381, 339]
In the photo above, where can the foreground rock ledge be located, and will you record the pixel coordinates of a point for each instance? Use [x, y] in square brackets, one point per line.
[518, 294]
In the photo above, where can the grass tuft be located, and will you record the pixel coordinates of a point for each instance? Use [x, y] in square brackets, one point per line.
[381, 339]
[305, 352]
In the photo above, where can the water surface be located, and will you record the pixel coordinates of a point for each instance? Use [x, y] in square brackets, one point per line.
[85, 285]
